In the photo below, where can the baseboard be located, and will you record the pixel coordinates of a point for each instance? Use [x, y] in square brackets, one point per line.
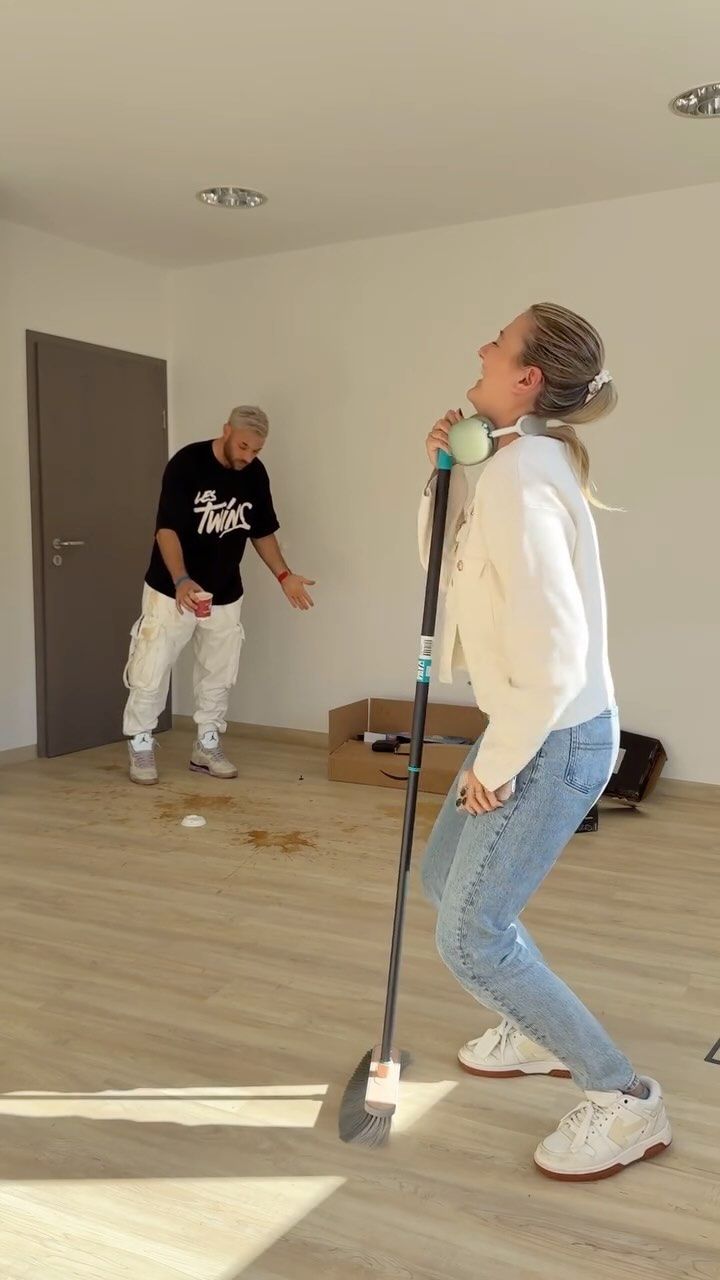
[264, 733]
[18, 755]
[678, 788]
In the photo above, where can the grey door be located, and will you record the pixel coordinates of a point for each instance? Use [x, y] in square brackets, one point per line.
[98, 446]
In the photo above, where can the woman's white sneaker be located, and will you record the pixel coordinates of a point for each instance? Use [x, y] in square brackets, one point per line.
[504, 1052]
[604, 1134]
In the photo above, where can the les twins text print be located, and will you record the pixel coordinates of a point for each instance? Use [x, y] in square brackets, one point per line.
[220, 517]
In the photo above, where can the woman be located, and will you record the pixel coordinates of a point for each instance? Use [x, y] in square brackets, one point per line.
[525, 617]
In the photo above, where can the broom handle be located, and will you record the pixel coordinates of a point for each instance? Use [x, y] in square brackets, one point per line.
[432, 589]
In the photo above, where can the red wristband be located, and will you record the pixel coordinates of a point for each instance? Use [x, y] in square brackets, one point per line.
[282, 576]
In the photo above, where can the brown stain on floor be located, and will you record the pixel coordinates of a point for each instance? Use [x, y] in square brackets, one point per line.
[287, 842]
[194, 802]
[425, 815]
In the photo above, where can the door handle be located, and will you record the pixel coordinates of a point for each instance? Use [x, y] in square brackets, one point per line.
[58, 543]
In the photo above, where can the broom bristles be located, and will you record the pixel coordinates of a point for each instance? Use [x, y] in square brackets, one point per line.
[355, 1124]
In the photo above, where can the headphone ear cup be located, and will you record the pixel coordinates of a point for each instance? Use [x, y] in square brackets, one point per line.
[471, 440]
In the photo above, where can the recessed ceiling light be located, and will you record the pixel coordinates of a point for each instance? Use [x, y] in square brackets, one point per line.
[702, 103]
[232, 197]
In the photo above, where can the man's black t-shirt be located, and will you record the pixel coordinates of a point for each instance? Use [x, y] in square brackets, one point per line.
[213, 510]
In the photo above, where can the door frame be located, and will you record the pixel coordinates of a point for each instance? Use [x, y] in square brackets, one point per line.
[33, 338]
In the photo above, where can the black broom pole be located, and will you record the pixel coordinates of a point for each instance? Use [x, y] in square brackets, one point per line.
[432, 589]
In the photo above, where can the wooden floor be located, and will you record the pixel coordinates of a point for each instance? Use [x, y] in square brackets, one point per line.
[181, 1009]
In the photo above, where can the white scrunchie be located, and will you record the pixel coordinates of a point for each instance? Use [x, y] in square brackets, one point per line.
[597, 384]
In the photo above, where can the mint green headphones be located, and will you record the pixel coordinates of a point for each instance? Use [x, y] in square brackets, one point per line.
[472, 440]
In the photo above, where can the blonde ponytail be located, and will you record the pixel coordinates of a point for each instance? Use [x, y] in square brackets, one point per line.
[569, 353]
[579, 456]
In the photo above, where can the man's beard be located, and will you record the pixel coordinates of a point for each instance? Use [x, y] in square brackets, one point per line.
[235, 466]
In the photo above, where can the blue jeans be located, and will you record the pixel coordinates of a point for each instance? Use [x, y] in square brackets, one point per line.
[480, 872]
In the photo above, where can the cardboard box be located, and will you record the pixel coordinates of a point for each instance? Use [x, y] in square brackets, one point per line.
[353, 761]
[640, 762]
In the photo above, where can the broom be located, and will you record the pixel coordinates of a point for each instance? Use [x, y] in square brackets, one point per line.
[370, 1099]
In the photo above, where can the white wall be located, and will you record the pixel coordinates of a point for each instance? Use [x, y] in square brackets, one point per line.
[55, 287]
[356, 349]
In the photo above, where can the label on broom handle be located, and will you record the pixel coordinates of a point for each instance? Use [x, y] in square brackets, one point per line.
[425, 659]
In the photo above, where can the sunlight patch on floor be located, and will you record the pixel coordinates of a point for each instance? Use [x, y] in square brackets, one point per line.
[416, 1099]
[159, 1229]
[282, 1106]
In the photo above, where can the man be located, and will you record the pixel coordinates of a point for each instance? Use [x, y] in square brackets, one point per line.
[215, 496]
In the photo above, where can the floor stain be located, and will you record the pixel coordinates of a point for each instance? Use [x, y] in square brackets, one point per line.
[425, 815]
[113, 768]
[287, 842]
[194, 802]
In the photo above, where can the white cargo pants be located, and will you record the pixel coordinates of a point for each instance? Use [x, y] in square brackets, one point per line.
[156, 641]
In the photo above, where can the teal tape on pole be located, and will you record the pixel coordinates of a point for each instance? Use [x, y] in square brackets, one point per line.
[425, 659]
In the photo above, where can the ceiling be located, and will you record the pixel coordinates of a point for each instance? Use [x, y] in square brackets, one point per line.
[357, 118]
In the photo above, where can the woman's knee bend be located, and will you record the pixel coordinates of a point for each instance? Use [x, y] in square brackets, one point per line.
[474, 958]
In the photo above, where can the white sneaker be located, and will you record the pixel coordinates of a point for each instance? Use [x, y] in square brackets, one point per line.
[143, 768]
[604, 1134]
[209, 757]
[504, 1052]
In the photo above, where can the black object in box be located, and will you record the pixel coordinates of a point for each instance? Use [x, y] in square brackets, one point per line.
[640, 762]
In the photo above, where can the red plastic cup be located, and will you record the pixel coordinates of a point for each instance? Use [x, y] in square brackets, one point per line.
[203, 604]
